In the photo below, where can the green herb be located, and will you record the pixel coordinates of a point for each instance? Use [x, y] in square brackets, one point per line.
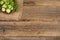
[8, 6]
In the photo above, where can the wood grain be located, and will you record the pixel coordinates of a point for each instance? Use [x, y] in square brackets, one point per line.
[40, 20]
[32, 38]
[40, 2]
[41, 13]
[30, 28]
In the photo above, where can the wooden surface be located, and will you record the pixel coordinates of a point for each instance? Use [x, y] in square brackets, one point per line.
[43, 13]
[30, 38]
[41, 2]
[32, 29]
[39, 20]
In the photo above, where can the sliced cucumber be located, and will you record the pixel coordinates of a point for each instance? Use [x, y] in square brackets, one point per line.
[4, 0]
[9, 6]
[1, 2]
[12, 8]
[3, 9]
[4, 6]
[8, 10]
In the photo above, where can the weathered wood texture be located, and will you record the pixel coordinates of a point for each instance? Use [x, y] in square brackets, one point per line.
[42, 13]
[41, 2]
[30, 28]
[30, 38]
[39, 18]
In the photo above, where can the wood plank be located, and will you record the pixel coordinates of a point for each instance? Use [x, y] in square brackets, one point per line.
[41, 2]
[41, 13]
[31, 28]
[1, 38]
[32, 38]
[1, 32]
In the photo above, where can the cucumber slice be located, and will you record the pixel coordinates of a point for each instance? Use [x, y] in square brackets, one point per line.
[12, 8]
[1, 2]
[3, 9]
[9, 6]
[4, 0]
[8, 10]
[4, 6]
